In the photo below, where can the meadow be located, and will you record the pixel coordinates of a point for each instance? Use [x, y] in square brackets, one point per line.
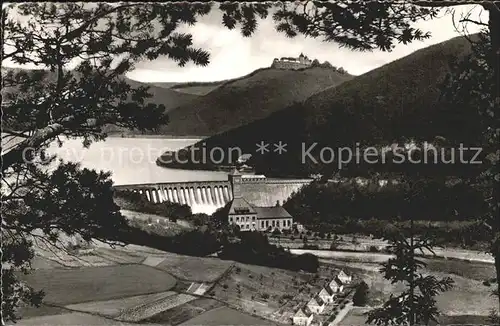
[131, 291]
[467, 297]
[226, 316]
[194, 269]
[184, 312]
[67, 286]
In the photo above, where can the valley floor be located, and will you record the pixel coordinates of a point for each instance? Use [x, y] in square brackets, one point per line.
[134, 284]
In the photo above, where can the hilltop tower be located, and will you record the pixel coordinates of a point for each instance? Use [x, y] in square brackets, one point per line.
[302, 58]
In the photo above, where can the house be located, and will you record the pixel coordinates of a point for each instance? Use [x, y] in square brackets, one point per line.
[344, 278]
[303, 317]
[327, 294]
[316, 305]
[249, 217]
[336, 285]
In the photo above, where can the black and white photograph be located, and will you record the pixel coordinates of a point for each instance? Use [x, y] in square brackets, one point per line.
[311, 163]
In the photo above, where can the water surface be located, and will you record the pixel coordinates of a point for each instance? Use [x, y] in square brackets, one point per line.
[132, 160]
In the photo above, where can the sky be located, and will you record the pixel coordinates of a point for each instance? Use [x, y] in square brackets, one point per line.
[232, 55]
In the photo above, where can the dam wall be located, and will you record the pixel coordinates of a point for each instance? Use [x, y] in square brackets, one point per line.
[270, 191]
[203, 197]
[207, 196]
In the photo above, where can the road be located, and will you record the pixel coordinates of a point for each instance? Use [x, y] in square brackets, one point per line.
[371, 257]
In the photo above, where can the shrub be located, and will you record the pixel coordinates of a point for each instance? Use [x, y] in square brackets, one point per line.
[265, 296]
[310, 247]
[360, 297]
[334, 245]
[225, 286]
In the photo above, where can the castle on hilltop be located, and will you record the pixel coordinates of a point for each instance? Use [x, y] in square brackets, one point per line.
[292, 63]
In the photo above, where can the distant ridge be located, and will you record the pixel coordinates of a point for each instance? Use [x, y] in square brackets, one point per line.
[243, 100]
[401, 98]
[160, 95]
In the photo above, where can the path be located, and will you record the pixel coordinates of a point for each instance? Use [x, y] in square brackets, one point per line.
[341, 314]
[378, 257]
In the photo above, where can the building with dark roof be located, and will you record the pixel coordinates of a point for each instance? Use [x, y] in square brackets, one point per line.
[303, 316]
[250, 217]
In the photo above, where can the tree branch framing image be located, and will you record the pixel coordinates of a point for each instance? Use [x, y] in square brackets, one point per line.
[276, 163]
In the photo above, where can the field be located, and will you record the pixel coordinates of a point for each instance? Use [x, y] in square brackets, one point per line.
[185, 312]
[226, 316]
[149, 309]
[71, 319]
[468, 296]
[66, 286]
[114, 308]
[118, 256]
[269, 292]
[473, 270]
[194, 268]
[356, 318]
[130, 291]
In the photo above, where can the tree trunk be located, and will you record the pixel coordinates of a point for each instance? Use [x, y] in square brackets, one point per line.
[26, 147]
[497, 267]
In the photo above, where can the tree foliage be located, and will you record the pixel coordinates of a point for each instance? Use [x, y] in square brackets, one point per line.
[138, 202]
[416, 305]
[360, 297]
[473, 85]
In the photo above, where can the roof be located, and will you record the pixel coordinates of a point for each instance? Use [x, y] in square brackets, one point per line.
[316, 300]
[319, 300]
[240, 206]
[271, 212]
[328, 290]
[337, 281]
[303, 312]
[235, 172]
[253, 176]
[342, 273]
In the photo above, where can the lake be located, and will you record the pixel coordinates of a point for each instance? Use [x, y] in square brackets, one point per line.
[132, 160]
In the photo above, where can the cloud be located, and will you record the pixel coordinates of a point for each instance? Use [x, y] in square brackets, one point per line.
[232, 55]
